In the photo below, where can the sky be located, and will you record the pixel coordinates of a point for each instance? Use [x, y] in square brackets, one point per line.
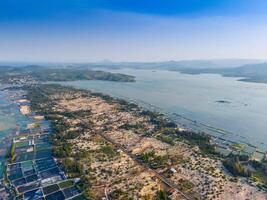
[132, 30]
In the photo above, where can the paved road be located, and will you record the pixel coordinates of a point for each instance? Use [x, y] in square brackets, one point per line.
[134, 157]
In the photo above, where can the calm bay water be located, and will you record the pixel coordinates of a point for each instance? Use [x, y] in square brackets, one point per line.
[222, 102]
[7, 118]
[11, 119]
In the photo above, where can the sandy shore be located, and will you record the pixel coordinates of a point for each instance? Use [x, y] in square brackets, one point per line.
[25, 110]
[6, 124]
[2, 127]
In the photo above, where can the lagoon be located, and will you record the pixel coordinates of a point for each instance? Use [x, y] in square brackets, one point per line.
[239, 108]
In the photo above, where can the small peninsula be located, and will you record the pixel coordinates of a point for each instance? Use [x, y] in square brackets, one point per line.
[35, 74]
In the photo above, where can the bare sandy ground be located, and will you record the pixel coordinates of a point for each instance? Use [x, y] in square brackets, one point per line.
[206, 174]
[2, 127]
[5, 126]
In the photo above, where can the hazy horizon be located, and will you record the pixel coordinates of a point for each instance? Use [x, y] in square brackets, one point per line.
[224, 62]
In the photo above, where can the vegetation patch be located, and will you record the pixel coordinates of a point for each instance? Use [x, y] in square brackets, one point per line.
[108, 150]
[65, 184]
[153, 160]
[234, 166]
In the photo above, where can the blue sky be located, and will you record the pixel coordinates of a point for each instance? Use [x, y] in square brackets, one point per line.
[132, 30]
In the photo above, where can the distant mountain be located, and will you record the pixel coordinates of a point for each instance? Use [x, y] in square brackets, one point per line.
[167, 65]
[174, 65]
[250, 72]
[213, 64]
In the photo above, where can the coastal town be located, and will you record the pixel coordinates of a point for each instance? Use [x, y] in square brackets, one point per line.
[77, 144]
[133, 100]
[106, 148]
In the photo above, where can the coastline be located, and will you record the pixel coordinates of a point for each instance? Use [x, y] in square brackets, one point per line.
[2, 127]
[243, 118]
[166, 141]
[27, 157]
[106, 97]
[221, 72]
[199, 126]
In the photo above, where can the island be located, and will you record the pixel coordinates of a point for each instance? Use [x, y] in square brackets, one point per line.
[223, 101]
